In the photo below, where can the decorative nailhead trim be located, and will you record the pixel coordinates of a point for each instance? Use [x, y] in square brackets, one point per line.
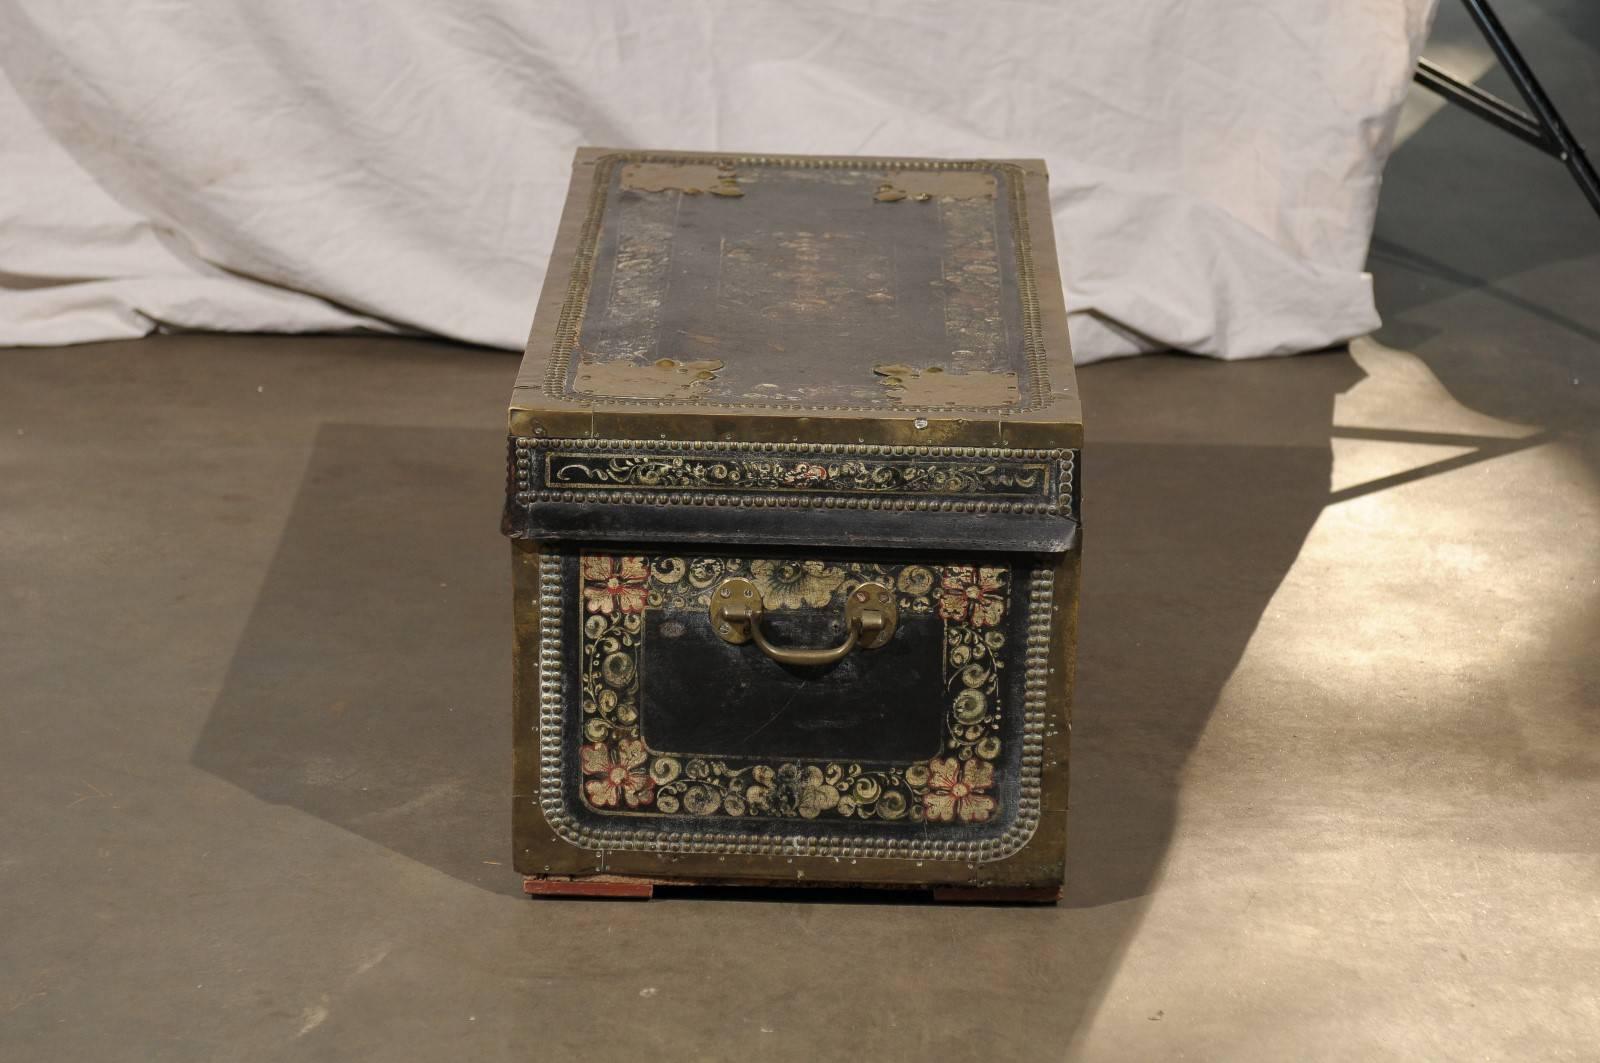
[737, 446]
[576, 302]
[1035, 706]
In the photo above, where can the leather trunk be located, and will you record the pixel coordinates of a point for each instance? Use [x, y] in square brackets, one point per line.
[793, 502]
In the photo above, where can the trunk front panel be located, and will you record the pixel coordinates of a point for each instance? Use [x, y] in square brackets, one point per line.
[657, 734]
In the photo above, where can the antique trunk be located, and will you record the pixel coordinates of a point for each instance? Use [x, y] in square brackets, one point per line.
[793, 503]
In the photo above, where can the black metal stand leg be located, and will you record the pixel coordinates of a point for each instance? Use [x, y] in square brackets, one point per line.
[1544, 128]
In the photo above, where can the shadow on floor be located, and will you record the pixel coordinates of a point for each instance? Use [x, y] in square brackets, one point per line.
[1484, 262]
[1185, 544]
[371, 685]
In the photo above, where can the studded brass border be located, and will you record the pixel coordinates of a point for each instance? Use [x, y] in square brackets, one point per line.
[526, 490]
[577, 300]
[552, 718]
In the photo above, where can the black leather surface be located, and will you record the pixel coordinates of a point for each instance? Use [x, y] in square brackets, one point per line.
[702, 695]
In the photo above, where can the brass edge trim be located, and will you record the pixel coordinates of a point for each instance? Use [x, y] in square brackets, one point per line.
[576, 303]
[526, 493]
[1035, 702]
[877, 449]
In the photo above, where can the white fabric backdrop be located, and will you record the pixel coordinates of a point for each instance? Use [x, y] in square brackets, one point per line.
[305, 165]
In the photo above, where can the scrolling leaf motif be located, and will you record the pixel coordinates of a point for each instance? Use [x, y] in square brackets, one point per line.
[689, 472]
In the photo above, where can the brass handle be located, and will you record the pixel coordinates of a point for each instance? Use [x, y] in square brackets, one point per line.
[870, 615]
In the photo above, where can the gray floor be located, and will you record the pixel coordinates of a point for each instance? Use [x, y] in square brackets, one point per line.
[1337, 763]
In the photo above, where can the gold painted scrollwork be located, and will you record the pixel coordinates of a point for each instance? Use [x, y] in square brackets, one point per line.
[621, 775]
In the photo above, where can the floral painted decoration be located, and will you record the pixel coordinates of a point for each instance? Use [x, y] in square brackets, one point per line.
[617, 771]
[957, 790]
[614, 584]
[623, 775]
[972, 593]
[792, 584]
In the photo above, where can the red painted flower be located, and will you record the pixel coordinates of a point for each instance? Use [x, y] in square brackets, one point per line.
[612, 583]
[617, 773]
[956, 789]
[978, 593]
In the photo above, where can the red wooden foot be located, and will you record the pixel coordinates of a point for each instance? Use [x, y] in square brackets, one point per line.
[596, 886]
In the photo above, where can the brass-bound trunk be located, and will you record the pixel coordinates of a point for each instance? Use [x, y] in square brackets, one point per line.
[794, 515]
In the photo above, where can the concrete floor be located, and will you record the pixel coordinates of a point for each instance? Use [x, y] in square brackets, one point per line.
[1336, 781]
